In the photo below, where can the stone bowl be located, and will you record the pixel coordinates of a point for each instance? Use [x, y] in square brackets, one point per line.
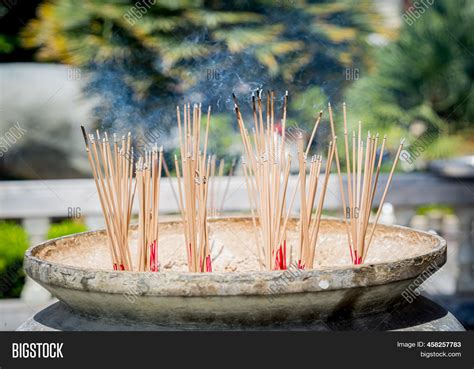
[77, 270]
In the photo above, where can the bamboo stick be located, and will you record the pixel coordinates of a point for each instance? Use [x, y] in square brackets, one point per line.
[115, 190]
[362, 180]
[194, 171]
[266, 170]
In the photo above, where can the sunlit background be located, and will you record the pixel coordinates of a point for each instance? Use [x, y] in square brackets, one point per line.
[404, 68]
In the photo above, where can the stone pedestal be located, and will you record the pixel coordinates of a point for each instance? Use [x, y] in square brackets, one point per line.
[421, 315]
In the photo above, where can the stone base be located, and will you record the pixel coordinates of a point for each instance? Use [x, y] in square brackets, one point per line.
[422, 315]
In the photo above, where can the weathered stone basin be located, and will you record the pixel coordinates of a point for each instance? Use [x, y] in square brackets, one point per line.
[76, 269]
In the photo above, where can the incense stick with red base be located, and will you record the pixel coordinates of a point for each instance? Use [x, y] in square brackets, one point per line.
[267, 168]
[193, 170]
[309, 222]
[112, 168]
[148, 177]
[362, 179]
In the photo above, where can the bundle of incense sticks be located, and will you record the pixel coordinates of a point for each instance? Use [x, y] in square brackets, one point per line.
[362, 178]
[267, 168]
[193, 185]
[112, 168]
[308, 222]
[148, 176]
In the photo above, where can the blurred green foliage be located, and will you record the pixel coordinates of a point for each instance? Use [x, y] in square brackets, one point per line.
[7, 44]
[435, 209]
[65, 228]
[223, 142]
[13, 244]
[150, 56]
[78, 33]
[152, 52]
[425, 78]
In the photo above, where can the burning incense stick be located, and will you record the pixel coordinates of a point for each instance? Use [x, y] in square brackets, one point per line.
[361, 186]
[267, 169]
[193, 170]
[112, 168]
[148, 176]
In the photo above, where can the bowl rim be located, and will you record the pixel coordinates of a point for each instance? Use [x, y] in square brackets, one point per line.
[33, 265]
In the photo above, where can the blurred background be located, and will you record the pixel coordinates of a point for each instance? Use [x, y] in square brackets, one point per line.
[404, 68]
